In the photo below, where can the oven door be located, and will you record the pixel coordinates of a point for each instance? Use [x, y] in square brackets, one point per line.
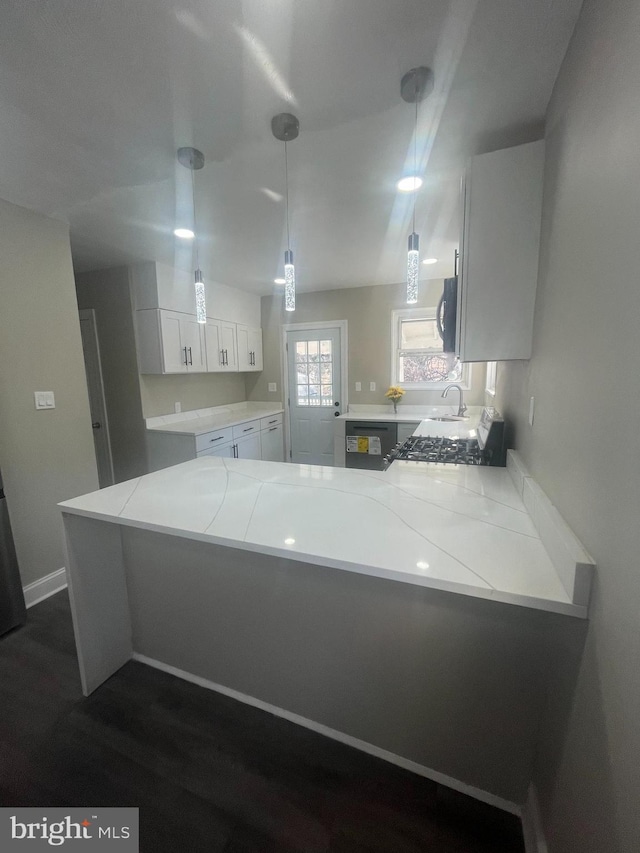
[446, 314]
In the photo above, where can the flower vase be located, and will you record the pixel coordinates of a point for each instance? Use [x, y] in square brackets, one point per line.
[395, 407]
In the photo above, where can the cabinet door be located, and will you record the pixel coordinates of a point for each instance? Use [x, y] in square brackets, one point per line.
[243, 348]
[499, 261]
[192, 337]
[272, 444]
[249, 447]
[229, 344]
[213, 347]
[255, 349]
[174, 356]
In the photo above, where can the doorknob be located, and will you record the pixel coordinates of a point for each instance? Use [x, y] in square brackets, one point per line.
[96, 425]
[336, 414]
[336, 404]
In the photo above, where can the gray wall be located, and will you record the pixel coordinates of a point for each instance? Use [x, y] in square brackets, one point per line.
[107, 292]
[583, 447]
[198, 391]
[368, 313]
[45, 456]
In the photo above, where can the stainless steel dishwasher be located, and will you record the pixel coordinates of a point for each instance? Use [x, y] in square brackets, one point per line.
[12, 609]
[368, 442]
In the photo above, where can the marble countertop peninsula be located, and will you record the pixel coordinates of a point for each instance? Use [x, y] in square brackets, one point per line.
[463, 529]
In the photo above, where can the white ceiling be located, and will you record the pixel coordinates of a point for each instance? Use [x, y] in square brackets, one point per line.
[95, 98]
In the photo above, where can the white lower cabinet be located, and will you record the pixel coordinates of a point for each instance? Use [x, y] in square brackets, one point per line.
[249, 447]
[272, 444]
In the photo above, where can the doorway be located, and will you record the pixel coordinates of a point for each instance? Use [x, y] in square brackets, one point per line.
[97, 405]
[315, 382]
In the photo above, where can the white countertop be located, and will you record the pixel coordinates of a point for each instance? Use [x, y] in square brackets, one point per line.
[194, 423]
[458, 528]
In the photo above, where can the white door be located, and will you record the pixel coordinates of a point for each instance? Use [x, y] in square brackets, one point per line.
[315, 394]
[97, 404]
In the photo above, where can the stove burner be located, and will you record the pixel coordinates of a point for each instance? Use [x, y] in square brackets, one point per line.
[455, 451]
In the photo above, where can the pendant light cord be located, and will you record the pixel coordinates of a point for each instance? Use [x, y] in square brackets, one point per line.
[415, 164]
[286, 183]
[195, 227]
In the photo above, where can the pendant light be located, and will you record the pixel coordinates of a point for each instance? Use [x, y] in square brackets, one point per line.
[414, 87]
[285, 127]
[193, 160]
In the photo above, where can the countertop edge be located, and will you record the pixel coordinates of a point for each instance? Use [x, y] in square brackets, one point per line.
[486, 593]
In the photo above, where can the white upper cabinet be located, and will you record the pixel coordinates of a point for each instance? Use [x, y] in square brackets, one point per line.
[169, 342]
[221, 346]
[499, 254]
[169, 338]
[249, 349]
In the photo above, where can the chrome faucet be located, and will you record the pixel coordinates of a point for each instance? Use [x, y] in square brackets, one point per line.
[461, 407]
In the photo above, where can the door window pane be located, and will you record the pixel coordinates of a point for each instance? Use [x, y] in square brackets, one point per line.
[314, 373]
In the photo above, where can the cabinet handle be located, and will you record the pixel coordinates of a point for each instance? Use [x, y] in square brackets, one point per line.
[216, 439]
[226, 357]
[185, 355]
[190, 356]
[273, 429]
[274, 422]
[248, 429]
[235, 451]
[221, 359]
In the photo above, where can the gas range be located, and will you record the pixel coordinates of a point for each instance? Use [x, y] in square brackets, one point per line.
[457, 451]
[486, 449]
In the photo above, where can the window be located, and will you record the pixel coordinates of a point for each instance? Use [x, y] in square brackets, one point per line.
[417, 358]
[314, 373]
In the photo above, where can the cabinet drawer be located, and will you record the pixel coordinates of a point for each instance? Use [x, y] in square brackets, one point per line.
[274, 420]
[213, 439]
[241, 430]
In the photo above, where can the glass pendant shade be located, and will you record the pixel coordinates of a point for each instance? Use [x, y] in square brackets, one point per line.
[413, 261]
[289, 282]
[201, 305]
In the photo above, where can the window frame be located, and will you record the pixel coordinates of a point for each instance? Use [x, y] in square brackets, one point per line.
[426, 313]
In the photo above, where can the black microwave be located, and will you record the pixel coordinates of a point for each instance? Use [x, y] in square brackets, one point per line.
[446, 314]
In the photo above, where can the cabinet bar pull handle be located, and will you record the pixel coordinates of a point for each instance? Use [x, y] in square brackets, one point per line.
[190, 356]
[273, 429]
[185, 355]
[216, 439]
[274, 422]
[248, 429]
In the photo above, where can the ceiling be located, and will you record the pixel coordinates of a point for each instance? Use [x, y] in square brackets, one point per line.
[96, 97]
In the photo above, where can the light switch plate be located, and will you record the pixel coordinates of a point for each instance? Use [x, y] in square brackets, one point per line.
[358, 386]
[372, 386]
[44, 399]
[532, 401]
[273, 387]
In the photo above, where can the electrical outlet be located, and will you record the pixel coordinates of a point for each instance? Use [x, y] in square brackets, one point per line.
[372, 386]
[358, 386]
[272, 387]
[177, 408]
[44, 399]
[532, 401]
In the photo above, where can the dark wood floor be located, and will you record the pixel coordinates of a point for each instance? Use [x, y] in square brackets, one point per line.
[208, 773]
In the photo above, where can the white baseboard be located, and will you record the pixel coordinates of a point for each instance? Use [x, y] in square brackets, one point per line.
[534, 840]
[44, 587]
[363, 746]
